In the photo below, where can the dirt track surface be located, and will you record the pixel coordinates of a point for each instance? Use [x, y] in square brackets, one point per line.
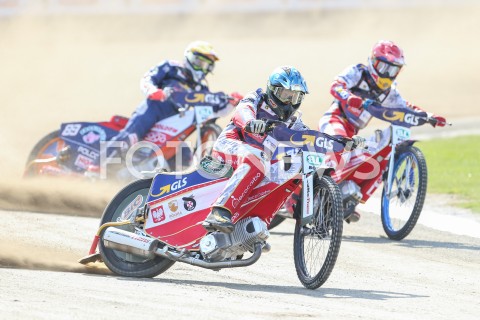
[61, 69]
[429, 275]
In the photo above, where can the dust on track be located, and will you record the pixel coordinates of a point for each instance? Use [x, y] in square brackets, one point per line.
[57, 195]
[38, 258]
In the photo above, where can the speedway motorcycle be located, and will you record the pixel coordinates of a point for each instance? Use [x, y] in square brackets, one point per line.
[153, 223]
[392, 159]
[76, 147]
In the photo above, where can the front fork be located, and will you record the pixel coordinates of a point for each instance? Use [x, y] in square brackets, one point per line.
[199, 135]
[391, 162]
[388, 184]
[307, 198]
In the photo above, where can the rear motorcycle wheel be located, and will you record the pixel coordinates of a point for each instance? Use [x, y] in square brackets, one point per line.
[316, 244]
[401, 209]
[122, 263]
[47, 147]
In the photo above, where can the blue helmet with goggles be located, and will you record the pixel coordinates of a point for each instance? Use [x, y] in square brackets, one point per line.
[285, 90]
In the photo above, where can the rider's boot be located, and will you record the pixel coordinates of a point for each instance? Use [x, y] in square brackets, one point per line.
[244, 179]
[220, 219]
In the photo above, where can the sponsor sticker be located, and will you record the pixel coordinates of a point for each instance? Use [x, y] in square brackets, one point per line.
[173, 205]
[189, 203]
[131, 208]
[92, 134]
[158, 214]
[171, 187]
[82, 161]
[161, 127]
[87, 152]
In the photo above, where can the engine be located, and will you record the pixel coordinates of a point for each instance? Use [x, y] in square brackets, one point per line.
[219, 246]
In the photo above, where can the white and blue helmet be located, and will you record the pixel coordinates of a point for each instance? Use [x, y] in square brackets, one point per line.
[285, 90]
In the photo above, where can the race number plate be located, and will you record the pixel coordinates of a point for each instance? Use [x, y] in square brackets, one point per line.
[203, 113]
[400, 134]
[312, 161]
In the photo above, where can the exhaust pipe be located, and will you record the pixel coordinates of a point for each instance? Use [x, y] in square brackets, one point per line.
[125, 241]
[121, 240]
[182, 257]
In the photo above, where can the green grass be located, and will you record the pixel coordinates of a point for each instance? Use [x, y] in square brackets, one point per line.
[454, 168]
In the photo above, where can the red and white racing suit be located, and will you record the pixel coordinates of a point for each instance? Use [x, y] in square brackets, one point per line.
[346, 121]
[244, 151]
[343, 120]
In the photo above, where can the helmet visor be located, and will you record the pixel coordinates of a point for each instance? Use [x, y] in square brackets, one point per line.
[200, 63]
[385, 69]
[288, 96]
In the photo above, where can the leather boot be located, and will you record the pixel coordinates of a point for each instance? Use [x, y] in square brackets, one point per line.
[220, 219]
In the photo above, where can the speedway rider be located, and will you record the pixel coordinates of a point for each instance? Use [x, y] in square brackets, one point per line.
[355, 85]
[167, 77]
[240, 143]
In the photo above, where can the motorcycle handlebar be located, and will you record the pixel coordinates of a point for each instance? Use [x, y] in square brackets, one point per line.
[367, 104]
[271, 124]
[434, 122]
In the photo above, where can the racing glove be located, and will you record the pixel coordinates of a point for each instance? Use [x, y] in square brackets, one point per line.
[256, 126]
[157, 94]
[354, 101]
[235, 98]
[359, 142]
[436, 120]
[224, 101]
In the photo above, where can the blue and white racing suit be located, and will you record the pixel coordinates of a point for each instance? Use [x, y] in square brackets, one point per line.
[168, 74]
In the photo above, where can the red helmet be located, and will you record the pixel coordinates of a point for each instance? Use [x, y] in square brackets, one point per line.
[385, 63]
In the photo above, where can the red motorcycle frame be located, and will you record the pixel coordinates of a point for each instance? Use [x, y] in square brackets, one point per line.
[151, 224]
[391, 159]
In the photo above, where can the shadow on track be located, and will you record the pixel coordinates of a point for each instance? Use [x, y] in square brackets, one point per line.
[331, 293]
[412, 243]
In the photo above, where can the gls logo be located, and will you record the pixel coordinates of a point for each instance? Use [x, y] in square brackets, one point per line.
[172, 187]
[201, 97]
[320, 142]
[411, 119]
[179, 184]
[324, 143]
[211, 98]
[401, 116]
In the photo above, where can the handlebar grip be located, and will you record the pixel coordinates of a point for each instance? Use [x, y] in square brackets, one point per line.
[351, 145]
[432, 121]
[269, 126]
[248, 129]
[366, 103]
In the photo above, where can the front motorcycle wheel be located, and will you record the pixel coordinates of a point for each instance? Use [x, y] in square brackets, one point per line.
[316, 244]
[209, 133]
[122, 263]
[402, 207]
